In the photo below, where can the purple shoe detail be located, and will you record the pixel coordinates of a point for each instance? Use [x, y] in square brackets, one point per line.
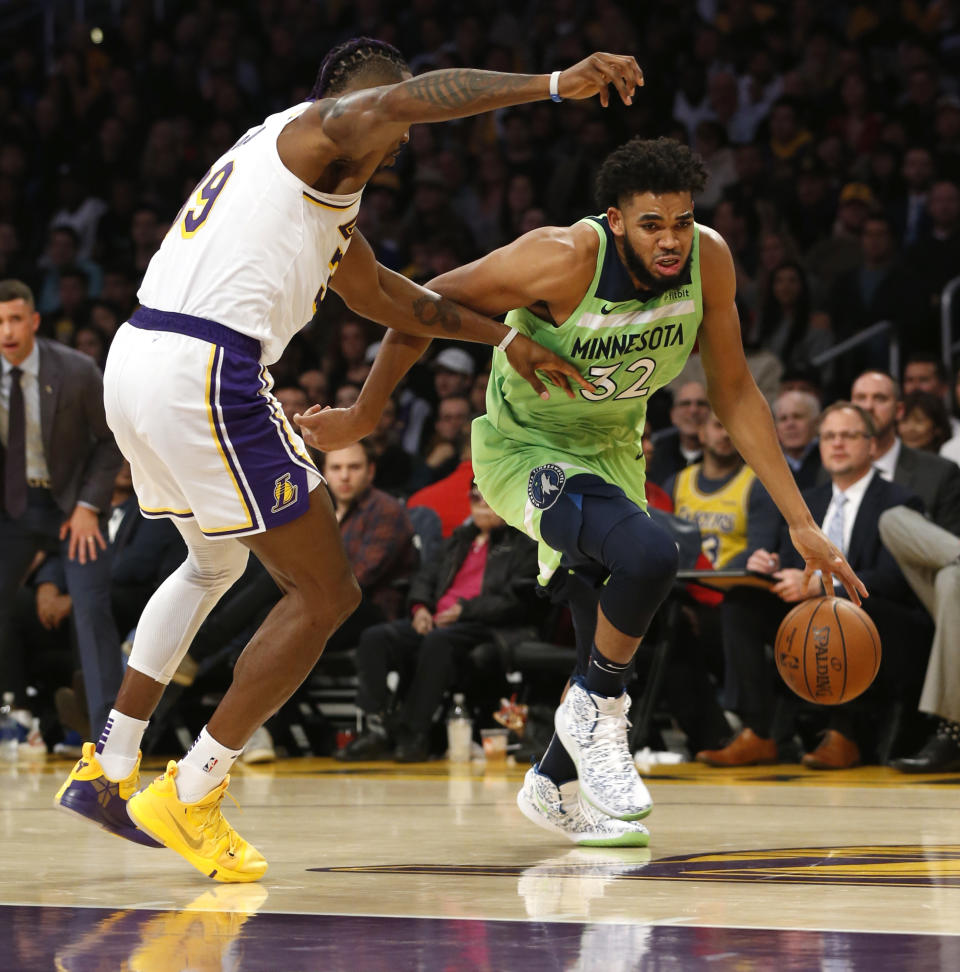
[100, 801]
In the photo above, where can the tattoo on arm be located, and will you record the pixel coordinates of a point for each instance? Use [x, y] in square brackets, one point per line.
[457, 88]
[431, 312]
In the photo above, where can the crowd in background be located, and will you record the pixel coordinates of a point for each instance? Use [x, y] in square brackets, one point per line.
[831, 133]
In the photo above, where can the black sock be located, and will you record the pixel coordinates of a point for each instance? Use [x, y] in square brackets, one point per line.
[605, 677]
[556, 763]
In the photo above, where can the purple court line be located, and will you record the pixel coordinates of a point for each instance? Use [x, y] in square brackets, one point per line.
[88, 939]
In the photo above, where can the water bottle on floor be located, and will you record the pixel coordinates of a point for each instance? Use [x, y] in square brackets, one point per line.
[459, 731]
[9, 731]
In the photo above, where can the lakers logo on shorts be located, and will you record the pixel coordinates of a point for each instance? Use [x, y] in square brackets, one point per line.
[545, 485]
[284, 493]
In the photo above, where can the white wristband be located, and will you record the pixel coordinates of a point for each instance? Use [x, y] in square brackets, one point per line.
[511, 334]
[555, 86]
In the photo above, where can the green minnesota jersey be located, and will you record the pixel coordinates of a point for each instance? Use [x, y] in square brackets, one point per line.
[626, 346]
[524, 448]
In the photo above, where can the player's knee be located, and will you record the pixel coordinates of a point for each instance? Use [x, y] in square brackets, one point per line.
[216, 567]
[643, 562]
[323, 609]
[889, 525]
[946, 584]
[642, 552]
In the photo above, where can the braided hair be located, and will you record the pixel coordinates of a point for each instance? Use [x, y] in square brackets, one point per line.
[350, 58]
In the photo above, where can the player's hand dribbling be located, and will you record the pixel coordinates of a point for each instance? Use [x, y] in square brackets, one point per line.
[526, 357]
[594, 75]
[820, 554]
[327, 428]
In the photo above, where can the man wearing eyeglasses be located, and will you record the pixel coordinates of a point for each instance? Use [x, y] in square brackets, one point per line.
[848, 509]
[679, 446]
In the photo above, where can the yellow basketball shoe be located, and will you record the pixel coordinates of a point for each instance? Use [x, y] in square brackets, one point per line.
[198, 832]
[92, 794]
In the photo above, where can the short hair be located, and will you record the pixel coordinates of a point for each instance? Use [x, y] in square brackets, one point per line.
[928, 357]
[865, 416]
[351, 58]
[882, 374]
[16, 290]
[656, 165]
[369, 452]
[810, 400]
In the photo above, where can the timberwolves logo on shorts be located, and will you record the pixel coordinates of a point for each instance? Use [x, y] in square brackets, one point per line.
[284, 493]
[544, 485]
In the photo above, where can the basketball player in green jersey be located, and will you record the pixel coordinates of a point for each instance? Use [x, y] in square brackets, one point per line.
[625, 295]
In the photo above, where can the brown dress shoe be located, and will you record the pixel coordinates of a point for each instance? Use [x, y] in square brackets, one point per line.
[745, 749]
[834, 752]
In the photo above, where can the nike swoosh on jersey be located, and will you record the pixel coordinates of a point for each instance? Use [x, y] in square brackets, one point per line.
[607, 309]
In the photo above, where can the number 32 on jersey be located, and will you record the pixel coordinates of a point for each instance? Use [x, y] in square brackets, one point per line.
[602, 377]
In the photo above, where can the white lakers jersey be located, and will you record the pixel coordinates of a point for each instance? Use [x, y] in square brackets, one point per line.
[254, 247]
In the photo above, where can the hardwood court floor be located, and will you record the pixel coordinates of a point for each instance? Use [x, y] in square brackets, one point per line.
[428, 867]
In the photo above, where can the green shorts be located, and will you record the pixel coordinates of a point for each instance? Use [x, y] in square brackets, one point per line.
[520, 480]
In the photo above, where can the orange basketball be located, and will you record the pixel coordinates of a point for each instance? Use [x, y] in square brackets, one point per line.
[827, 650]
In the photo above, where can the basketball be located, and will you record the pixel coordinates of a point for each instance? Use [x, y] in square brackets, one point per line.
[827, 650]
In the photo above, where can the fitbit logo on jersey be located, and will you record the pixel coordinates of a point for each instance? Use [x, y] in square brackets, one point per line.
[545, 485]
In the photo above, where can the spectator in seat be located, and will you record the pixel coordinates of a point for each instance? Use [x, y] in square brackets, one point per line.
[451, 428]
[924, 425]
[717, 494]
[449, 497]
[378, 538]
[679, 445]
[929, 556]
[934, 479]
[848, 508]
[796, 414]
[455, 601]
[453, 370]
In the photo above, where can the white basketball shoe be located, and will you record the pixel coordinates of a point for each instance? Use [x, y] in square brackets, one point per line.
[593, 730]
[562, 810]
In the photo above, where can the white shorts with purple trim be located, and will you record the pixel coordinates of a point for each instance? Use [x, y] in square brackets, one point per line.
[205, 437]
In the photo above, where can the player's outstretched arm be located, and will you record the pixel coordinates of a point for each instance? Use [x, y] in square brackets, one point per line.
[327, 428]
[459, 92]
[355, 130]
[544, 262]
[746, 416]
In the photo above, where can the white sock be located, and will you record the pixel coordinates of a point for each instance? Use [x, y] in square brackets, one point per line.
[203, 768]
[119, 744]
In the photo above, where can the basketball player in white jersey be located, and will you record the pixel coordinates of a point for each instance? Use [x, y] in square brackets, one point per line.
[269, 229]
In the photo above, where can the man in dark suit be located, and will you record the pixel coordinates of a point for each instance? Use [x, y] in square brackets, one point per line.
[59, 463]
[848, 508]
[796, 414]
[931, 477]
